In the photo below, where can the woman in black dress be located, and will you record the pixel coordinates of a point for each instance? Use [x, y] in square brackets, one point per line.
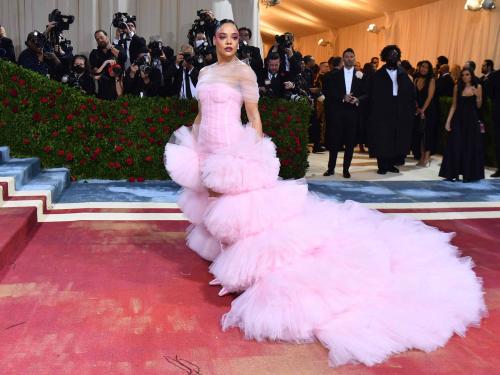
[464, 154]
[426, 119]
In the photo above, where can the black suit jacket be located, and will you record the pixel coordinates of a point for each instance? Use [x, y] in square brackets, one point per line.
[444, 86]
[7, 45]
[275, 88]
[494, 94]
[334, 91]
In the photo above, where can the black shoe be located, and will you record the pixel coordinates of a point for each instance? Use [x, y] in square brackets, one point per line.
[329, 172]
[318, 149]
[381, 171]
[496, 174]
[346, 174]
[393, 170]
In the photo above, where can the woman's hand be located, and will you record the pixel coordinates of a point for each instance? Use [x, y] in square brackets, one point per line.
[448, 126]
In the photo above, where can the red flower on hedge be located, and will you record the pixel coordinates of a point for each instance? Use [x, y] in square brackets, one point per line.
[125, 104]
[14, 78]
[55, 116]
[161, 120]
[152, 130]
[36, 116]
[26, 141]
[69, 117]
[48, 149]
[25, 102]
[148, 158]
[123, 111]
[97, 151]
[15, 109]
[69, 156]
[93, 119]
[44, 100]
[69, 129]
[59, 91]
[13, 93]
[99, 135]
[129, 161]
[149, 120]
[131, 179]
[5, 102]
[165, 110]
[82, 107]
[61, 152]
[55, 134]
[140, 179]
[118, 148]
[22, 82]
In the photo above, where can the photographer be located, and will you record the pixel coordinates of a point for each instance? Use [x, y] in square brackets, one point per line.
[271, 82]
[79, 75]
[141, 78]
[57, 44]
[161, 58]
[247, 53]
[106, 64]
[204, 52]
[205, 24]
[127, 38]
[34, 58]
[289, 59]
[183, 75]
[6, 46]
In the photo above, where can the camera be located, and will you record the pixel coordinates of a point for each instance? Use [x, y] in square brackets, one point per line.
[120, 20]
[62, 21]
[144, 64]
[203, 24]
[156, 49]
[284, 41]
[55, 37]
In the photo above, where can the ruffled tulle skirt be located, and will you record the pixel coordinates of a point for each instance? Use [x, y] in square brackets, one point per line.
[365, 284]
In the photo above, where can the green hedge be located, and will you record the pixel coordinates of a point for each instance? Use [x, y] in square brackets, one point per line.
[445, 104]
[122, 139]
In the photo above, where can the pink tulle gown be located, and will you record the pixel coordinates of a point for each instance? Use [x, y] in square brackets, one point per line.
[365, 284]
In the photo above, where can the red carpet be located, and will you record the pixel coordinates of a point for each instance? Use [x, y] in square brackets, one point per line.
[108, 297]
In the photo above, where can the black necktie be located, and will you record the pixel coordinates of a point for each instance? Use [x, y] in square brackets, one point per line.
[188, 85]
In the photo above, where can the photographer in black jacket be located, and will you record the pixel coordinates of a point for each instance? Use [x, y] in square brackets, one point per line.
[141, 78]
[6, 46]
[247, 53]
[79, 75]
[34, 58]
[289, 58]
[127, 38]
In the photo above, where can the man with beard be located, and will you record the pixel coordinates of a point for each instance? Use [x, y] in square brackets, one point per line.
[344, 90]
[392, 109]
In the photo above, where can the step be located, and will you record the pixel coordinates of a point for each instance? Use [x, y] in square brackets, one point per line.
[4, 154]
[17, 225]
[54, 180]
[23, 170]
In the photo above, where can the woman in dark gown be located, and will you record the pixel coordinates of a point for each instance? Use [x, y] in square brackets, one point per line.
[426, 119]
[464, 154]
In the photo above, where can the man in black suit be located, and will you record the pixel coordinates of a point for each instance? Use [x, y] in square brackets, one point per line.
[445, 83]
[494, 94]
[344, 90]
[392, 111]
[246, 51]
[6, 46]
[487, 69]
[182, 75]
[131, 43]
[273, 83]
[290, 60]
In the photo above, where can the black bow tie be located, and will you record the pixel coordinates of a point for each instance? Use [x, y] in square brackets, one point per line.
[391, 68]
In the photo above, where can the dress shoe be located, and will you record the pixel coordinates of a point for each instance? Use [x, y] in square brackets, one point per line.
[318, 149]
[346, 174]
[329, 172]
[496, 174]
[393, 170]
[382, 171]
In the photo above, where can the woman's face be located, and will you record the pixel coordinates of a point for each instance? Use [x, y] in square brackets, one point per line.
[226, 40]
[424, 69]
[466, 77]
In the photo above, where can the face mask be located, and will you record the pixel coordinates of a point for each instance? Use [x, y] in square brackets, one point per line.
[199, 43]
[78, 69]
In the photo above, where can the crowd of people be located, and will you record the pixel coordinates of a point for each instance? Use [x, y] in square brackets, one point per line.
[391, 110]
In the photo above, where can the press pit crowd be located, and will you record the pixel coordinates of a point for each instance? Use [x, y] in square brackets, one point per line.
[387, 107]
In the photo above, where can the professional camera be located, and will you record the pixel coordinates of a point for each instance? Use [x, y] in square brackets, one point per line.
[156, 49]
[40, 41]
[72, 80]
[300, 92]
[120, 20]
[203, 24]
[144, 64]
[55, 37]
[284, 41]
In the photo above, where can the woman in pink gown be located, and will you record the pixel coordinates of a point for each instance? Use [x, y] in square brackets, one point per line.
[365, 284]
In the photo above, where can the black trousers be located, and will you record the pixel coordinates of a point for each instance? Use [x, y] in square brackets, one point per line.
[332, 159]
[496, 131]
[385, 163]
[315, 129]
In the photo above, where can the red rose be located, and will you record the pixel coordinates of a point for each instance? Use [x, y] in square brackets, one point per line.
[14, 78]
[151, 140]
[37, 116]
[55, 116]
[69, 116]
[55, 134]
[80, 126]
[82, 107]
[69, 156]
[44, 100]
[289, 118]
[107, 126]
[59, 91]
[22, 82]
[93, 119]
[26, 141]
[97, 151]
[47, 149]
[140, 179]
[181, 113]
[25, 102]
[74, 178]
[275, 114]
[165, 110]
[5, 102]
[13, 93]
[99, 135]
[60, 152]
[142, 134]
[166, 129]
[161, 120]
[125, 104]
[90, 101]
[123, 111]
[118, 148]
[129, 161]
[148, 158]
[152, 129]
[131, 179]
[130, 118]
[69, 129]
[15, 109]
[149, 120]
[118, 165]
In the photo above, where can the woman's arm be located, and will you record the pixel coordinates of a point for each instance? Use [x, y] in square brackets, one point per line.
[430, 94]
[479, 96]
[452, 108]
[253, 115]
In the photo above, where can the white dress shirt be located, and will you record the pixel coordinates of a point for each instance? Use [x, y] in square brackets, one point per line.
[394, 77]
[348, 74]
[182, 94]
